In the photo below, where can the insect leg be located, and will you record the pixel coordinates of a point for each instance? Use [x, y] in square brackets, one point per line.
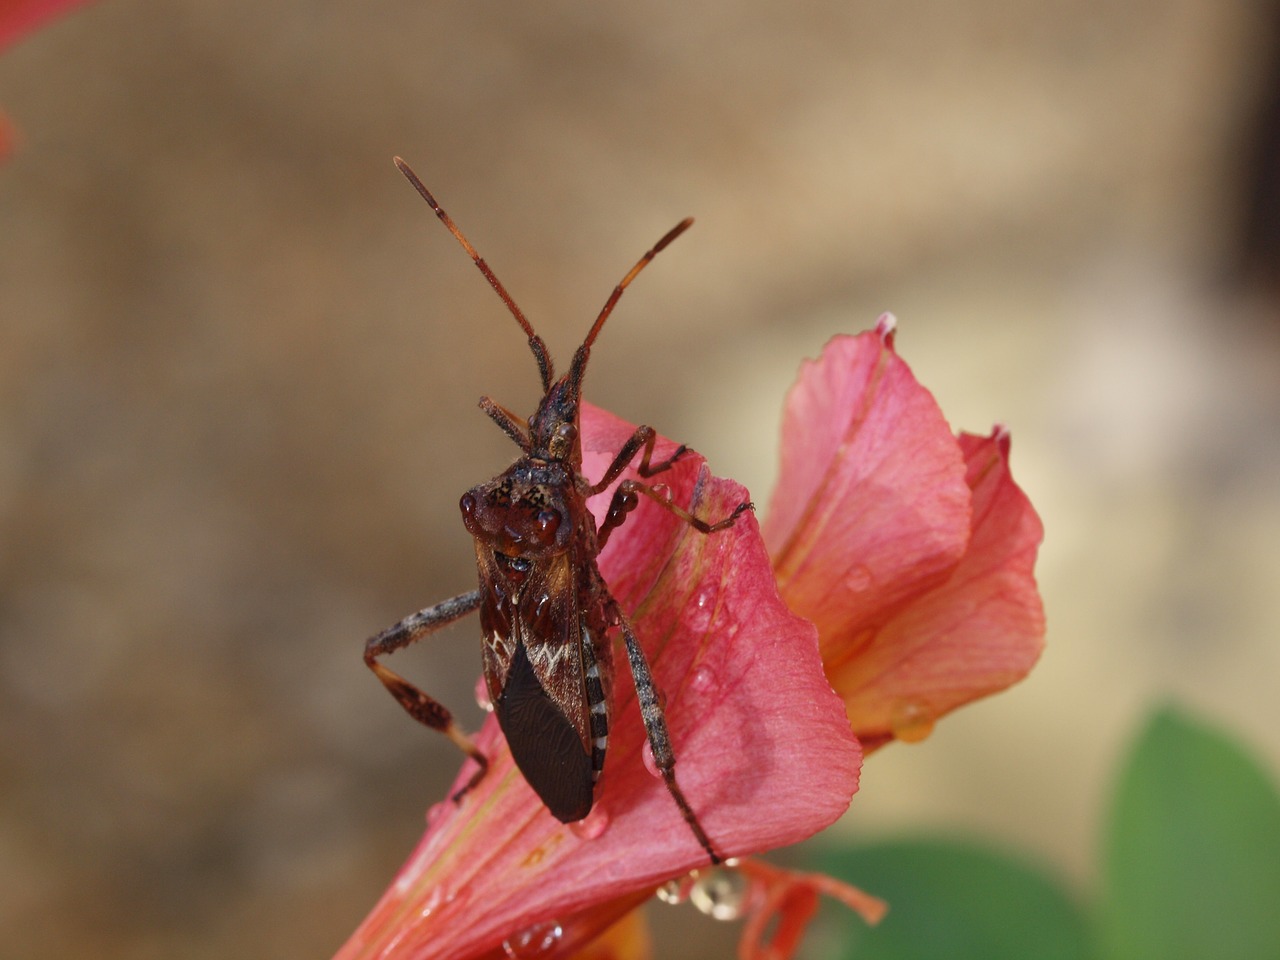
[627, 497]
[418, 705]
[655, 726]
[643, 437]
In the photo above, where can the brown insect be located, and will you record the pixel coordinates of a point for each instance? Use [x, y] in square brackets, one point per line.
[545, 610]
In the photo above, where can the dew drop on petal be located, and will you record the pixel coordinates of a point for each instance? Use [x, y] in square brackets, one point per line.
[911, 722]
[858, 578]
[676, 891]
[592, 825]
[704, 681]
[697, 617]
[482, 696]
[646, 753]
[538, 941]
[436, 811]
[720, 894]
[434, 899]
[885, 325]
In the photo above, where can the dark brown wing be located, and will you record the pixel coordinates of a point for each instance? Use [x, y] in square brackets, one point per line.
[533, 669]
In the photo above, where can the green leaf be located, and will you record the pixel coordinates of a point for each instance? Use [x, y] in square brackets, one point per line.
[956, 901]
[1192, 858]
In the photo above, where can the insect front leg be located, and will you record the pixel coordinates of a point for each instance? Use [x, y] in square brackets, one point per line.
[627, 497]
[655, 726]
[418, 705]
[643, 437]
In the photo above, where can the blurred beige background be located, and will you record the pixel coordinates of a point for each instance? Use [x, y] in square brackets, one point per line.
[239, 360]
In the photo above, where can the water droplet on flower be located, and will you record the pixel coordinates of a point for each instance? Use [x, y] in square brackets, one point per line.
[698, 615]
[911, 722]
[537, 941]
[436, 811]
[677, 891]
[858, 578]
[720, 894]
[704, 681]
[434, 899]
[646, 754]
[482, 696]
[592, 825]
[885, 325]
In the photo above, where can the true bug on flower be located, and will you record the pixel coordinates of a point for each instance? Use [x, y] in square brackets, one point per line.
[545, 611]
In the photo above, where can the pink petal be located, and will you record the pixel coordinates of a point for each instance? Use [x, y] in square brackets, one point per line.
[974, 635]
[18, 17]
[871, 507]
[782, 902]
[765, 754]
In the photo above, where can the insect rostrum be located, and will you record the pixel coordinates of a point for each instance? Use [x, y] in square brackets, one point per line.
[546, 614]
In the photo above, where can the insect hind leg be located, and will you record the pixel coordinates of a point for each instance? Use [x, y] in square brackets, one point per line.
[655, 726]
[417, 704]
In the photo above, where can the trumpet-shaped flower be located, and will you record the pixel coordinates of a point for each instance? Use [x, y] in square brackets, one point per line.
[909, 549]
[912, 550]
[764, 751]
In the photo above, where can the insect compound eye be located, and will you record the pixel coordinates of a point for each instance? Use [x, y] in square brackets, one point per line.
[468, 507]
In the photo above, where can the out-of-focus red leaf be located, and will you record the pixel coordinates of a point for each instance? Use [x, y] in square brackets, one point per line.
[20, 17]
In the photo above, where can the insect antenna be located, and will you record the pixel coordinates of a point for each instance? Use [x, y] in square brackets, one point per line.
[580, 357]
[539, 348]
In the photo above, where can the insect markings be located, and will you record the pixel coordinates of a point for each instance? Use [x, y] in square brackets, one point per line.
[545, 610]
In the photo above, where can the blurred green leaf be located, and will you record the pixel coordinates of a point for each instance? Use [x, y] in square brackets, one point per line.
[956, 901]
[1192, 857]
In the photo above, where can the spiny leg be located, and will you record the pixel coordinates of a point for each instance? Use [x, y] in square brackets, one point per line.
[627, 497]
[416, 703]
[643, 437]
[655, 726]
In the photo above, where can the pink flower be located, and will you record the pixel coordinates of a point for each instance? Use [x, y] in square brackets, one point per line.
[764, 751]
[912, 553]
[911, 550]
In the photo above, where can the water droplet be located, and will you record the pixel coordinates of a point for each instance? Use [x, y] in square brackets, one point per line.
[537, 941]
[911, 722]
[720, 894]
[434, 899]
[650, 764]
[885, 326]
[592, 825]
[858, 578]
[436, 811]
[677, 891]
[482, 696]
[697, 616]
[704, 681]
